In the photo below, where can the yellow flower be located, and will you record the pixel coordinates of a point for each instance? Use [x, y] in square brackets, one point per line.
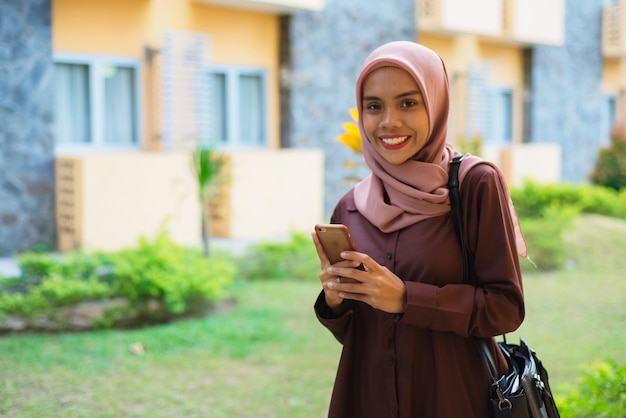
[352, 137]
[355, 114]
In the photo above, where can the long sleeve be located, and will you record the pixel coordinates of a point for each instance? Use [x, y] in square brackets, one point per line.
[496, 305]
[338, 324]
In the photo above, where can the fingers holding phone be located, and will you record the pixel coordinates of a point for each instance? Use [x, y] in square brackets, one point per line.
[334, 238]
[330, 241]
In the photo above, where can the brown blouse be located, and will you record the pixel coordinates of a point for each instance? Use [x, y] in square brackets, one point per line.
[424, 362]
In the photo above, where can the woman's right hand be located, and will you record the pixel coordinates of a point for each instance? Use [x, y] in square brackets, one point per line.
[333, 300]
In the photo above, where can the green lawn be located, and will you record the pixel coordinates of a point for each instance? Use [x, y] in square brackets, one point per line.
[578, 315]
[265, 358]
[268, 357]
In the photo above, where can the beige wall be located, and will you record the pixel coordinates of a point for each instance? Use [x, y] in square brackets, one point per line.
[275, 191]
[123, 195]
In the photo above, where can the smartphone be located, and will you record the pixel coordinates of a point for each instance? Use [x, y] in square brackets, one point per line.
[334, 238]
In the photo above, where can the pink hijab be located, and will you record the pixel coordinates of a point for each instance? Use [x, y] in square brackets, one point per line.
[416, 189]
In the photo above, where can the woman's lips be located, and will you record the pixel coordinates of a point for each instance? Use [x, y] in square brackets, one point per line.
[393, 142]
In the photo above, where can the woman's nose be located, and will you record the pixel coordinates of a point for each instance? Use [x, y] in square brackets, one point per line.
[391, 118]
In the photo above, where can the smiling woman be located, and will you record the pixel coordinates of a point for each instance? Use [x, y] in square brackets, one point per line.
[394, 115]
[408, 323]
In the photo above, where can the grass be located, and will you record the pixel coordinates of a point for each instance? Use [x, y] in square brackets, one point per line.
[268, 357]
[265, 358]
[576, 316]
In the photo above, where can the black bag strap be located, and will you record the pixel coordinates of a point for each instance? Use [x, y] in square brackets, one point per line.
[504, 404]
[457, 216]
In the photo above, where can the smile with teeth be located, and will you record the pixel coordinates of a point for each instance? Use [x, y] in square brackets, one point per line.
[394, 141]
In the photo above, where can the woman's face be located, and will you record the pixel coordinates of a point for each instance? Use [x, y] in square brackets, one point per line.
[394, 115]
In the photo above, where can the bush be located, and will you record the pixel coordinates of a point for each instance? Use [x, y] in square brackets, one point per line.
[533, 198]
[180, 280]
[599, 393]
[177, 276]
[544, 238]
[610, 170]
[545, 211]
[295, 259]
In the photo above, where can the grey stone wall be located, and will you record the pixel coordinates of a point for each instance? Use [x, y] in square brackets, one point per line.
[567, 102]
[327, 51]
[26, 124]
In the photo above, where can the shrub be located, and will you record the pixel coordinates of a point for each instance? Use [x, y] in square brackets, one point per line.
[177, 276]
[295, 259]
[180, 280]
[57, 290]
[532, 199]
[35, 267]
[544, 238]
[610, 170]
[599, 393]
[545, 211]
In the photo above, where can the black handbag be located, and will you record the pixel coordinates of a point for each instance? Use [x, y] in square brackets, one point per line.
[524, 392]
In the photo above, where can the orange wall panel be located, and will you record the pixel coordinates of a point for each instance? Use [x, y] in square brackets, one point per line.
[116, 27]
[237, 36]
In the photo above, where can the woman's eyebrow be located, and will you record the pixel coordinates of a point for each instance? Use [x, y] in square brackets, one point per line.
[409, 93]
[399, 96]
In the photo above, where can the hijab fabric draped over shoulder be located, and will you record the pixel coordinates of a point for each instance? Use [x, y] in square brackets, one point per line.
[393, 197]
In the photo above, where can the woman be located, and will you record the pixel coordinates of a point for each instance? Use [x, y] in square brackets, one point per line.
[408, 326]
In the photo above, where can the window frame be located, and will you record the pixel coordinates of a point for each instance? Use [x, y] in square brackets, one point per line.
[609, 118]
[96, 64]
[496, 93]
[232, 75]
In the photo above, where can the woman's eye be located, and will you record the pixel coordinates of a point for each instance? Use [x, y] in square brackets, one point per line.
[372, 106]
[409, 103]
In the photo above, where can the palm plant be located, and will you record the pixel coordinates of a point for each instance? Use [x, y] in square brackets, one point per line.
[207, 165]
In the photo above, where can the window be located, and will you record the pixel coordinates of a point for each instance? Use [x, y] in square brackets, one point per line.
[236, 114]
[501, 119]
[489, 111]
[608, 119]
[97, 101]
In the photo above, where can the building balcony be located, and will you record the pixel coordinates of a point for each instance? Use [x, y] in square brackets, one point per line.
[534, 22]
[614, 29]
[270, 6]
[479, 17]
[524, 22]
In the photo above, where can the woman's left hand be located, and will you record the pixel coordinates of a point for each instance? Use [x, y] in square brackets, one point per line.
[377, 285]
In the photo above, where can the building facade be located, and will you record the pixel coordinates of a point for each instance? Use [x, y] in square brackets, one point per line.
[532, 79]
[105, 102]
[100, 114]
